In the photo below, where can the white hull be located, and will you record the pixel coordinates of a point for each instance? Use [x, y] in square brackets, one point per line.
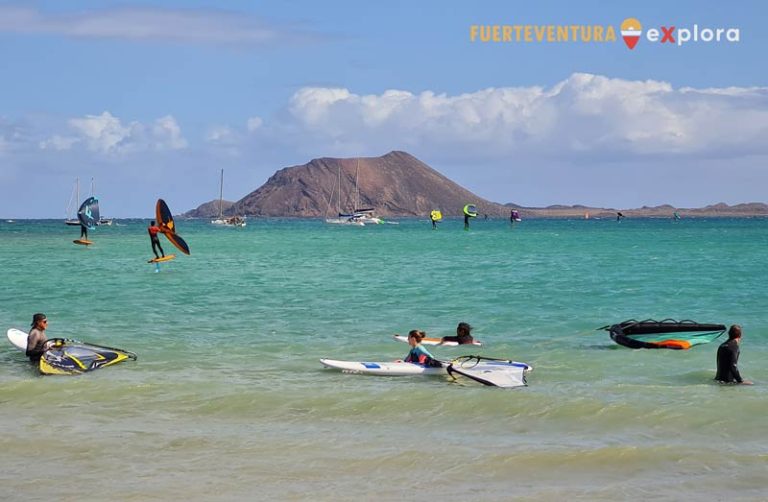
[344, 221]
[227, 223]
[382, 368]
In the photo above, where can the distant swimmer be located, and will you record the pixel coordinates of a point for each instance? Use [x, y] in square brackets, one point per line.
[37, 342]
[463, 335]
[619, 216]
[153, 230]
[728, 357]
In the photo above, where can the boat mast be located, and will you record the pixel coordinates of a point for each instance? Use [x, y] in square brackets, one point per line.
[357, 189]
[221, 193]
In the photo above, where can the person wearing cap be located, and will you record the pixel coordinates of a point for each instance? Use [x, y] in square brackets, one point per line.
[37, 342]
[728, 357]
[462, 337]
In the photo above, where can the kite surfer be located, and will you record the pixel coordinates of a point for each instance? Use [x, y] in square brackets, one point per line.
[153, 230]
[463, 335]
[728, 357]
[36, 340]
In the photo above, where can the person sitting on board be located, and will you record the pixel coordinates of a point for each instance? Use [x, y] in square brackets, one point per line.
[37, 342]
[153, 230]
[462, 337]
[418, 354]
[728, 357]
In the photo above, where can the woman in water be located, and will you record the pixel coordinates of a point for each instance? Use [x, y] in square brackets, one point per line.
[418, 354]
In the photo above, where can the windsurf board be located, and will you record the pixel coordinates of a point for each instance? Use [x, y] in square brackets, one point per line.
[17, 338]
[382, 368]
[435, 341]
[168, 257]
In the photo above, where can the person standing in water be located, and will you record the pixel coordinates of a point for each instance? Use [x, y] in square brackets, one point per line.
[153, 230]
[37, 342]
[728, 357]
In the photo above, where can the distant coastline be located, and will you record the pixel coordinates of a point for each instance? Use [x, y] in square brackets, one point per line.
[398, 185]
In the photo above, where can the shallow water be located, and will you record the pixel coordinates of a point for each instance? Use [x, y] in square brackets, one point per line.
[228, 400]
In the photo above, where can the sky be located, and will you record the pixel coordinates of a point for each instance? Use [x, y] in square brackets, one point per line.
[152, 99]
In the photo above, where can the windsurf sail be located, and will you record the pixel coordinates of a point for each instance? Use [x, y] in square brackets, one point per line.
[470, 210]
[168, 226]
[664, 334]
[70, 357]
[88, 214]
[164, 216]
[490, 371]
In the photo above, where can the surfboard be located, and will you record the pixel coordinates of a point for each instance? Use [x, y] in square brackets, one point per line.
[82, 242]
[382, 368]
[435, 341]
[17, 338]
[167, 257]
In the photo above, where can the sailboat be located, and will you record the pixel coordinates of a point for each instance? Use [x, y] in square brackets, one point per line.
[72, 205]
[359, 217]
[234, 221]
[102, 220]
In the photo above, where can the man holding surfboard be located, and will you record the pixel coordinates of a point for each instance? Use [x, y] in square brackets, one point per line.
[36, 340]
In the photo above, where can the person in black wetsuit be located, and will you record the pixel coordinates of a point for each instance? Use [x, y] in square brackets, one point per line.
[153, 230]
[462, 337]
[728, 357]
[83, 232]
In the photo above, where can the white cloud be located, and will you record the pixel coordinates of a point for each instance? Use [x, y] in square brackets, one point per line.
[166, 134]
[254, 123]
[222, 135]
[201, 26]
[106, 134]
[582, 115]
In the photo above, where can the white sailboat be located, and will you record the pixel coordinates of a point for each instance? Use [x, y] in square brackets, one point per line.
[359, 217]
[102, 220]
[234, 221]
[72, 205]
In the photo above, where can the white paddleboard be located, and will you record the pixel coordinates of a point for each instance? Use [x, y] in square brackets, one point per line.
[382, 368]
[18, 338]
[435, 341]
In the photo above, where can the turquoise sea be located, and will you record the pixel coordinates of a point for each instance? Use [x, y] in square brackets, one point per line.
[228, 400]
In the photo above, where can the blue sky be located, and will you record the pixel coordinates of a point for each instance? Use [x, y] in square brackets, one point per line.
[153, 98]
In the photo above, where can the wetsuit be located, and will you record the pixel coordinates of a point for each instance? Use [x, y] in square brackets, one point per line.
[35, 352]
[727, 358]
[460, 339]
[153, 230]
[83, 232]
[420, 355]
